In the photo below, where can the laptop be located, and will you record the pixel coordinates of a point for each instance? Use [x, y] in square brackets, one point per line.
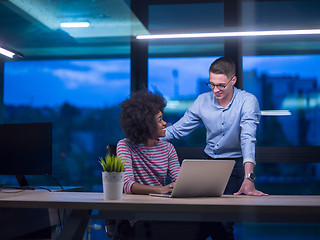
[201, 178]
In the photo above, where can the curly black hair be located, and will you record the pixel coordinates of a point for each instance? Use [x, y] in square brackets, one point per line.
[137, 117]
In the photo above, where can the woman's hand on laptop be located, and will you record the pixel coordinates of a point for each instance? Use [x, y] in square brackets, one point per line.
[167, 188]
[147, 189]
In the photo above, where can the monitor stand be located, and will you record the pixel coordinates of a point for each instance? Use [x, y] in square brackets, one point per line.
[23, 182]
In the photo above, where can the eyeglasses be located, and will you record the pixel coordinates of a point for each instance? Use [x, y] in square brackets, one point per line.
[219, 86]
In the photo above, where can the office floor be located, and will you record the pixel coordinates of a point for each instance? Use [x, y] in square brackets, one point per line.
[245, 231]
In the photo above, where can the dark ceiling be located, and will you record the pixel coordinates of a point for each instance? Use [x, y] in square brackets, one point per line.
[32, 27]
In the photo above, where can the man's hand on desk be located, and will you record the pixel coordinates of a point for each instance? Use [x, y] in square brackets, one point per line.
[248, 188]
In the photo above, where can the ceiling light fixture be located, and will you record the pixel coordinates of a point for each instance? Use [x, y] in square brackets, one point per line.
[232, 34]
[74, 24]
[10, 53]
[6, 52]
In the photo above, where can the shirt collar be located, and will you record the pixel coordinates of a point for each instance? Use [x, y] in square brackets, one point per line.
[235, 92]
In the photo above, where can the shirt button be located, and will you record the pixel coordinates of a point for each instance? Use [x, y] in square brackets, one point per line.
[222, 123]
[222, 134]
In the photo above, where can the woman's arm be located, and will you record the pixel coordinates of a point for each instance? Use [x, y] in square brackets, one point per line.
[173, 164]
[138, 188]
[130, 185]
[173, 170]
[124, 152]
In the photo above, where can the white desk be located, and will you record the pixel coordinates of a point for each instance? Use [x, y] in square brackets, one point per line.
[226, 208]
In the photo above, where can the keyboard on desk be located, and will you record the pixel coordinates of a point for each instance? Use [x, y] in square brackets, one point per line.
[161, 194]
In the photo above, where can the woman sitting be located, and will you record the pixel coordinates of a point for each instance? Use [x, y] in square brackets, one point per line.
[148, 161]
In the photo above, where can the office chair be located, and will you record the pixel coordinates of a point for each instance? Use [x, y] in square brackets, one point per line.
[112, 149]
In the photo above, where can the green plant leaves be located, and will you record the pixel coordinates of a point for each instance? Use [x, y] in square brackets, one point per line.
[112, 163]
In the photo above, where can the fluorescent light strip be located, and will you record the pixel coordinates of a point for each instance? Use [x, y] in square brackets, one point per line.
[74, 24]
[276, 113]
[6, 52]
[232, 34]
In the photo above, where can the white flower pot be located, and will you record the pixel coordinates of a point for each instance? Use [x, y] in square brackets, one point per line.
[112, 185]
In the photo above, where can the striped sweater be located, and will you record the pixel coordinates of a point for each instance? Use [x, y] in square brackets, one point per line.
[148, 165]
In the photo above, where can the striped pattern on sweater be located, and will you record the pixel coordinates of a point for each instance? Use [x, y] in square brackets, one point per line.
[148, 165]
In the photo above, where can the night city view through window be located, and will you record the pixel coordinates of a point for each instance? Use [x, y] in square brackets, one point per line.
[81, 98]
[280, 83]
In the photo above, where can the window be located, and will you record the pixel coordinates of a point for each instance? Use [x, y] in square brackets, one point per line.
[185, 18]
[180, 81]
[288, 83]
[80, 98]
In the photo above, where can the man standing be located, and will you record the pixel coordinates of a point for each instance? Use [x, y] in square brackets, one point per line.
[231, 117]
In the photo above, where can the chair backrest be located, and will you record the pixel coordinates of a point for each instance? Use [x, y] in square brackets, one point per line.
[189, 153]
[112, 149]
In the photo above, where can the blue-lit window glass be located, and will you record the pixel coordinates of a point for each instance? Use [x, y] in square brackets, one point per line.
[290, 84]
[186, 18]
[180, 81]
[280, 13]
[81, 83]
[192, 16]
[81, 98]
[285, 83]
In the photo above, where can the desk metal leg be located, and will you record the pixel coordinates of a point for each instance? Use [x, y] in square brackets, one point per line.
[75, 225]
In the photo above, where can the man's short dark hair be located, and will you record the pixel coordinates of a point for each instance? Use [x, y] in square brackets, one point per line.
[137, 117]
[224, 66]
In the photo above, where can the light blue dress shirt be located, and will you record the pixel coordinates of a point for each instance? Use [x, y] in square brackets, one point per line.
[231, 131]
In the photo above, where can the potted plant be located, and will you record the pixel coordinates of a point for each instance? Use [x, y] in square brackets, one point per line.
[112, 177]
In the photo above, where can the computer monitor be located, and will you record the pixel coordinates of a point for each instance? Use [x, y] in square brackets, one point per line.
[26, 149]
